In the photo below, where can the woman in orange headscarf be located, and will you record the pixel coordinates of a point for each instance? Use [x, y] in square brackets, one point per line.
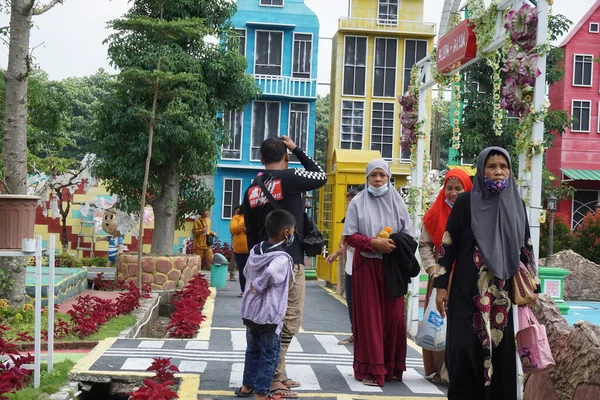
[456, 181]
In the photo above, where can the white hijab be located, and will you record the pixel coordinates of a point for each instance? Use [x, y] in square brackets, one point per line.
[368, 214]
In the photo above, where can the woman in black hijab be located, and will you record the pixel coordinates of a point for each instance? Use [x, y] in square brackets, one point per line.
[486, 238]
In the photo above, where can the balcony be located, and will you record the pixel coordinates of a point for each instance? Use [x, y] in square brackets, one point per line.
[413, 28]
[286, 86]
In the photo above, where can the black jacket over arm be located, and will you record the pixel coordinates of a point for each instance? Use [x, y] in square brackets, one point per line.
[401, 264]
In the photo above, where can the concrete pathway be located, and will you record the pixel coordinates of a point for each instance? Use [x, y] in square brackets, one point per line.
[212, 363]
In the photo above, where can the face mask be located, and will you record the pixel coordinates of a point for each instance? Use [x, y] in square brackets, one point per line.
[495, 186]
[449, 203]
[288, 241]
[380, 191]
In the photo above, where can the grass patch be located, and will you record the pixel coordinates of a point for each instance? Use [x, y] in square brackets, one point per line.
[49, 383]
[111, 329]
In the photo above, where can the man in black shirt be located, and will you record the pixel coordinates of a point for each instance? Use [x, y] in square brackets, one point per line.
[287, 187]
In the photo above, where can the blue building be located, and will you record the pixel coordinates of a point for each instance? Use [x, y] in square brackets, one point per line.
[280, 41]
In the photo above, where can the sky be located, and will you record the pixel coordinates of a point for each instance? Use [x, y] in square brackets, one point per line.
[67, 40]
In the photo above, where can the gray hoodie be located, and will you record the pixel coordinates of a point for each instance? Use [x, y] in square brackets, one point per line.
[269, 273]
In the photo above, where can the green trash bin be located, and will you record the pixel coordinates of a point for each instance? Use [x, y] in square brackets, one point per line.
[219, 270]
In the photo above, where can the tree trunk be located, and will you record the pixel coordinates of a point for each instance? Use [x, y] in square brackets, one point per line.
[165, 211]
[15, 113]
[15, 128]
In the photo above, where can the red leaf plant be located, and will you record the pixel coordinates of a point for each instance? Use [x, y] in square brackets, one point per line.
[158, 387]
[188, 303]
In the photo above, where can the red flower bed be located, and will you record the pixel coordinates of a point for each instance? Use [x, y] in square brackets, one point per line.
[158, 387]
[188, 303]
[12, 376]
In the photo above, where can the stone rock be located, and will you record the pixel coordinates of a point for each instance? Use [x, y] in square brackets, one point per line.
[164, 265]
[587, 392]
[540, 387]
[576, 349]
[584, 280]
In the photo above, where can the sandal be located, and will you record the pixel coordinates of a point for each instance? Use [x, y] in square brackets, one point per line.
[290, 383]
[283, 393]
[370, 382]
[239, 393]
[436, 378]
[347, 341]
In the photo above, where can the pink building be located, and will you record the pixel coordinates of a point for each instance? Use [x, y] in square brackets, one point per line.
[575, 157]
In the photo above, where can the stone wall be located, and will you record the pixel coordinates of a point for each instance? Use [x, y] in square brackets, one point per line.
[583, 282]
[576, 351]
[161, 272]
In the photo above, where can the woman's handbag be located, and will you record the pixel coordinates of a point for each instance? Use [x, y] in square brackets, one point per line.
[209, 238]
[432, 328]
[523, 287]
[532, 343]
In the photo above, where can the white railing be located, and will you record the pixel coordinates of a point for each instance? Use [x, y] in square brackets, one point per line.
[374, 24]
[278, 85]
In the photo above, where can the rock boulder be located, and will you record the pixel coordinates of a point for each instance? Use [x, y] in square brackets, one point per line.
[583, 282]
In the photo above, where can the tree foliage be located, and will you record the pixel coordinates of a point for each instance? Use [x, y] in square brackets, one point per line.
[180, 57]
[321, 129]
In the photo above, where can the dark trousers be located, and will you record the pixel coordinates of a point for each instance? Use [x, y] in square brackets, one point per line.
[240, 260]
[348, 289]
[262, 356]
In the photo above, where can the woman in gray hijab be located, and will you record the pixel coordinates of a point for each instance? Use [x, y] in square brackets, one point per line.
[378, 326]
[486, 238]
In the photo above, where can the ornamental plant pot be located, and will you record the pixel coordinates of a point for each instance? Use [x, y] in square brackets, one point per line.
[17, 219]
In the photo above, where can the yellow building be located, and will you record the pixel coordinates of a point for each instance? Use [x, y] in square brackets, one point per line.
[373, 52]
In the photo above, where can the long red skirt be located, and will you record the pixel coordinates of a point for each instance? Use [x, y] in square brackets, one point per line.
[378, 322]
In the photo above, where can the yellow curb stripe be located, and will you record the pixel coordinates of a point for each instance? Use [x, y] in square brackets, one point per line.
[337, 396]
[208, 310]
[339, 298]
[90, 358]
[188, 386]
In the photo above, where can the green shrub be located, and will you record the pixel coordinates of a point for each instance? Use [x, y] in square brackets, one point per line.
[586, 239]
[67, 261]
[562, 235]
[99, 262]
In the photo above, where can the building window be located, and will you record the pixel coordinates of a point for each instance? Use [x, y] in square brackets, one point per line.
[232, 195]
[298, 129]
[269, 46]
[584, 201]
[414, 50]
[355, 65]
[384, 82]
[242, 34]
[388, 12]
[233, 121]
[302, 55]
[582, 70]
[382, 129]
[594, 27]
[265, 124]
[278, 3]
[580, 111]
[352, 125]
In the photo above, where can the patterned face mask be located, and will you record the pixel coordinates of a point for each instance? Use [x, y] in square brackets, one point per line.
[495, 186]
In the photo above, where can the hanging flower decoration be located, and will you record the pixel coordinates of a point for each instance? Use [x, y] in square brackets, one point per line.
[456, 105]
[494, 62]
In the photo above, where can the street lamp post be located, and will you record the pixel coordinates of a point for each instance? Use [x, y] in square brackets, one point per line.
[552, 200]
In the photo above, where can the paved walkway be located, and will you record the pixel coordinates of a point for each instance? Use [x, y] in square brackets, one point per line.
[213, 362]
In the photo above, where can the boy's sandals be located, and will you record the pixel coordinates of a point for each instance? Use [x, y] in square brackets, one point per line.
[347, 341]
[240, 393]
[281, 393]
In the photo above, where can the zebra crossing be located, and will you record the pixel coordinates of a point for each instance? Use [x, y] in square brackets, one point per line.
[315, 359]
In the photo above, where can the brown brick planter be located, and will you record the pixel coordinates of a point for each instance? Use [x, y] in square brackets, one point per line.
[161, 272]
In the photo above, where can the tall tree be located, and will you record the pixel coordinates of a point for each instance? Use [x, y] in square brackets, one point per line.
[180, 67]
[14, 177]
[321, 129]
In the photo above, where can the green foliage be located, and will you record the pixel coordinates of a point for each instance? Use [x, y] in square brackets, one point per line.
[65, 260]
[321, 129]
[561, 235]
[165, 49]
[6, 281]
[586, 238]
[94, 262]
[50, 383]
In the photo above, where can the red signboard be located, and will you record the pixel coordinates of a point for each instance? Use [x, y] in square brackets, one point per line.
[456, 47]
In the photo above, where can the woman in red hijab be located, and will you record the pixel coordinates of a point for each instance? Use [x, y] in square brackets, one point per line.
[456, 181]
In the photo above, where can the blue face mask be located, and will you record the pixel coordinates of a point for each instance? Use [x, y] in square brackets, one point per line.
[288, 241]
[378, 191]
[449, 203]
[494, 186]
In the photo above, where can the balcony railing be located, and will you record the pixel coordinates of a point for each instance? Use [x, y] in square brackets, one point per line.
[286, 86]
[374, 24]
